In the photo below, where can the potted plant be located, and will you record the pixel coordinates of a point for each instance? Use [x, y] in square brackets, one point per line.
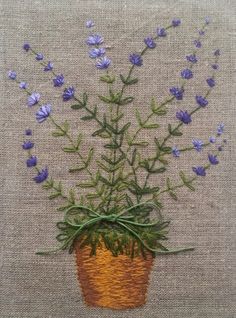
[115, 226]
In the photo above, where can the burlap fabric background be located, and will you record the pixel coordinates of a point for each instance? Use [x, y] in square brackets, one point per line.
[196, 284]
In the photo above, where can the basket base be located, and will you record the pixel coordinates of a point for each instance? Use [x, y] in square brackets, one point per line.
[113, 282]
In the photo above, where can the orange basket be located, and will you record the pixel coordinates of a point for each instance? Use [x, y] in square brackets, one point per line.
[116, 282]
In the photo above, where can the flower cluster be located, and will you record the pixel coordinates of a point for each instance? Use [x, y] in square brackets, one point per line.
[96, 52]
[32, 161]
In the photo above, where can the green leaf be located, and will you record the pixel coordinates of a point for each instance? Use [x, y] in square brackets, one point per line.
[173, 195]
[128, 80]
[105, 181]
[58, 133]
[124, 128]
[77, 106]
[54, 195]
[107, 78]
[105, 99]
[87, 118]
[150, 126]
[175, 131]
[126, 100]
[137, 114]
[158, 170]
[69, 149]
[77, 169]
[86, 185]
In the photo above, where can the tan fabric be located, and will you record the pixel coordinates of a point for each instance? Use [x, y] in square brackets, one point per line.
[195, 284]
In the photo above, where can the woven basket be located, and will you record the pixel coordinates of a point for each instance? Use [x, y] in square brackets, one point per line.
[113, 282]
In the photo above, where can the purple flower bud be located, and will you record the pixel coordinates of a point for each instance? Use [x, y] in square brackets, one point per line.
[28, 132]
[211, 82]
[43, 113]
[96, 52]
[207, 20]
[201, 101]
[198, 144]
[33, 99]
[197, 43]
[89, 24]
[184, 117]
[42, 176]
[58, 81]
[212, 139]
[220, 148]
[150, 42]
[94, 39]
[176, 22]
[200, 171]
[215, 66]
[39, 57]
[220, 129]
[48, 67]
[12, 75]
[161, 32]
[23, 85]
[103, 63]
[187, 74]
[136, 59]
[68, 93]
[217, 52]
[175, 152]
[213, 159]
[201, 32]
[26, 47]
[177, 92]
[191, 58]
[31, 162]
[27, 145]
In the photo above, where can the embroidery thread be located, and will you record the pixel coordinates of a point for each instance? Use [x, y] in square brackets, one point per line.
[111, 228]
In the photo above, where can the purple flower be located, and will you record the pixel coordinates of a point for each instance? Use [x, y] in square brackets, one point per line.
[96, 52]
[28, 132]
[33, 99]
[211, 82]
[184, 116]
[161, 32]
[89, 24]
[94, 39]
[175, 152]
[12, 75]
[103, 63]
[217, 52]
[191, 58]
[200, 171]
[43, 113]
[68, 93]
[215, 66]
[213, 159]
[212, 139]
[177, 92]
[187, 74]
[136, 59]
[150, 42]
[23, 85]
[39, 57]
[48, 67]
[201, 32]
[31, 162]
[26, 47]
[176, 22]
[27, 145]
[198, 144]
[201, 101]
[42, 176]
[220, 129]
[207, 20]
[58, 81]
[197, 43]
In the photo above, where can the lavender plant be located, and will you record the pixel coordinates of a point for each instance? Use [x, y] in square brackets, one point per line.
[118, 205]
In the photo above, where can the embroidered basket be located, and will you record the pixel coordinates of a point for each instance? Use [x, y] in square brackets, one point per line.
[116, 282]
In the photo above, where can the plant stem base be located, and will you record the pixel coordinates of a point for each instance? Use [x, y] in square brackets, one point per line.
[113, 282]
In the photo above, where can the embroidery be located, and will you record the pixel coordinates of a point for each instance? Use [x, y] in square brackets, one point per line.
[111, 228]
